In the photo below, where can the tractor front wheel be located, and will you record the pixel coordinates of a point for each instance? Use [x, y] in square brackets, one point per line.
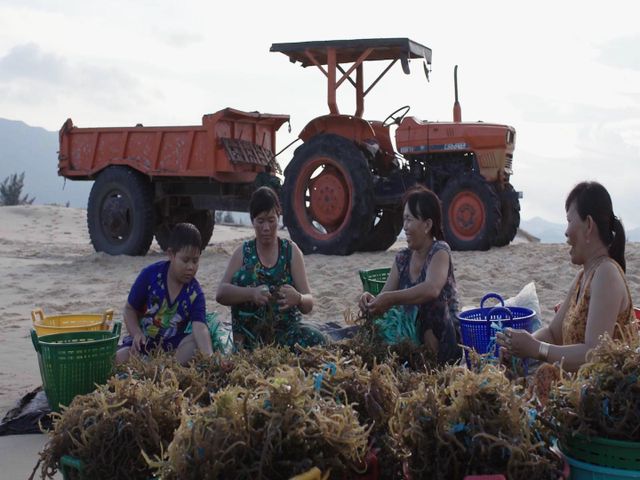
[120, 212]
[471, 211]
[327, 196]
[510, 207]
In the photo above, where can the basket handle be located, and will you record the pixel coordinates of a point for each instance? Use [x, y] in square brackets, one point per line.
[37, 312]
[491, 295]
[117, 327]
[495, 310]
[107, 316]
[35, 341]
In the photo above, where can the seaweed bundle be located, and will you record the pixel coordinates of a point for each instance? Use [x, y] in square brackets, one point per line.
[603, 397]
[460, 422]
[280, 429]
[109, 429]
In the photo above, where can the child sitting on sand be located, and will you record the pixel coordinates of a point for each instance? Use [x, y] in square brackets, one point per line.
[165, 299]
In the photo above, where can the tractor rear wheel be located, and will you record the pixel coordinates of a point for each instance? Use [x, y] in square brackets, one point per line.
[385, 230]
[120, 212]
[328, 196]
[471, 211]
[204, 220]
[510, 208]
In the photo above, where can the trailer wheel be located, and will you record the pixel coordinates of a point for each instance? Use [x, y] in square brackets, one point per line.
[204, 220]
[510, 208]
[471, 211]
[385, 230]
[120, 212]
[328, 196]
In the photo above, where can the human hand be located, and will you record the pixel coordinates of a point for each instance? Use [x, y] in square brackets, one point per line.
[519, 343]
[288, 297]
[380, 304]
[365, 299]
[139, 342]
[260, 295]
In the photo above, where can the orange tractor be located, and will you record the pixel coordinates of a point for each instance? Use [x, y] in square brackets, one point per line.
[343, 187]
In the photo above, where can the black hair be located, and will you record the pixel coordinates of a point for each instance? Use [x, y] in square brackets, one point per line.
[185, 235]
[264, 199]
[424, 204]
[592, 199]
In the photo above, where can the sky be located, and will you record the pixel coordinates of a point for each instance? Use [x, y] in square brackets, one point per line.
[565, 74]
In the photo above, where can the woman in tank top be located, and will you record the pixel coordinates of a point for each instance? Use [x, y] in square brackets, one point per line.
[599, 300]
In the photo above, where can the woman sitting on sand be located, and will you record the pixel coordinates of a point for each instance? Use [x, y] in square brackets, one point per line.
[421, 281]
[266, 283]
[598, 301]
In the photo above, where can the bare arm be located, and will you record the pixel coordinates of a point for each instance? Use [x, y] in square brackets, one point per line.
[132, 322]
[229, 294]
[202, 337]
[298, 294]
[391, 284]
[429, 289]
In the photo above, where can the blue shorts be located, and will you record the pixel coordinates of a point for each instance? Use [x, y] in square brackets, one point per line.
[167, 344]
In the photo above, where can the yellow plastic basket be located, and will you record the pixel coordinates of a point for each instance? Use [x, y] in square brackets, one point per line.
[80, 322]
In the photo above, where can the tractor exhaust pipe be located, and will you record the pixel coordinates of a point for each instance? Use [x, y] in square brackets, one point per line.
[457, 112]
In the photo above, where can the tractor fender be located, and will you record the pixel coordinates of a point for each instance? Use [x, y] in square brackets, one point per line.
[346, 126]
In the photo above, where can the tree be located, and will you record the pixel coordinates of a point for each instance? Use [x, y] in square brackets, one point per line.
[11, 191]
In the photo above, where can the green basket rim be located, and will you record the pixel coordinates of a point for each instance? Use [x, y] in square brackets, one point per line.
[61, 340]
[579, 437]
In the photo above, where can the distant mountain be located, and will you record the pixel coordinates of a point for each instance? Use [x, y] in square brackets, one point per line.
[549, 232]
[546, 231]
[34, 150]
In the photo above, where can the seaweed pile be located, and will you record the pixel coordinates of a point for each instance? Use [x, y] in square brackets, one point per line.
[280, 429]
[272, 413]
[603, 398]
[109, 429]
[460, 422]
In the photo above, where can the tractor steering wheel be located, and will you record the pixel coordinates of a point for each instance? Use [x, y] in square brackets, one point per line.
[396, 117]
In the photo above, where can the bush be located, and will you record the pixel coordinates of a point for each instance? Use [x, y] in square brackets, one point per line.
[11, 191]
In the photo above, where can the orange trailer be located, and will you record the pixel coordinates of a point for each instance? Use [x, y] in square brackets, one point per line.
[147, 179]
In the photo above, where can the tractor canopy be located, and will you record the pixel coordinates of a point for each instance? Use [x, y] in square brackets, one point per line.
[332, 53]
[352, 51]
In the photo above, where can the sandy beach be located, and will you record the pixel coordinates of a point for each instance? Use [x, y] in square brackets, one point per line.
[47, 262]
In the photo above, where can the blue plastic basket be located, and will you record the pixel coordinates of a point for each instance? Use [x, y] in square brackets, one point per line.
[478, 326]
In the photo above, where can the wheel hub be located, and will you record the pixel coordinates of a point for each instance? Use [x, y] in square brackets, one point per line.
[115, 216]
[329, 199]
[467, 215]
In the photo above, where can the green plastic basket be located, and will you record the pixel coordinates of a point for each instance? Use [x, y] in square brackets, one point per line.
[73, 363]
[603, 451]
[374, 280]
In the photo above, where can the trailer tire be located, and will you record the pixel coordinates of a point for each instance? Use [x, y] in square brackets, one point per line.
[204, 220]
[120, 212]
[384, 233]
[510, 209]
[327, 196]
[471, 213]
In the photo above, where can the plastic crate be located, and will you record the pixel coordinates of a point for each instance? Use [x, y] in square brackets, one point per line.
[373, 280]
[73, 363]
[49, 325]
[587, 471]
[603, 451]
[478, 326]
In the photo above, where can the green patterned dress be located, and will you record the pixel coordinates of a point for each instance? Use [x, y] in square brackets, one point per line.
[264, 325]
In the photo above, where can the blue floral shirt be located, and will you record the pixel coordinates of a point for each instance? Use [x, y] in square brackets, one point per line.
[163, 319]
